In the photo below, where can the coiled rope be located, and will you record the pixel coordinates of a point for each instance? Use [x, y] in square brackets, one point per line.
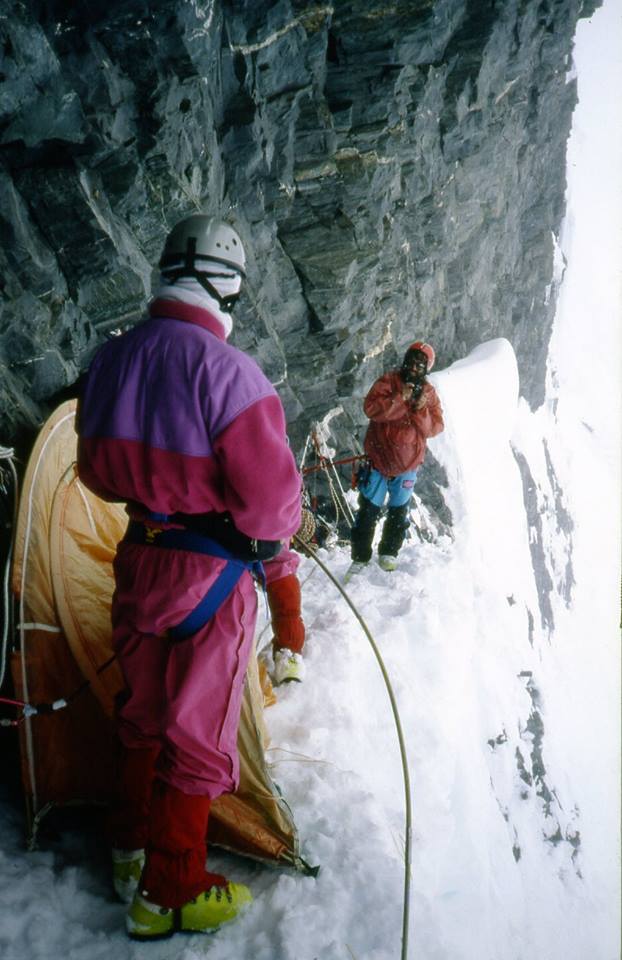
[400, 736]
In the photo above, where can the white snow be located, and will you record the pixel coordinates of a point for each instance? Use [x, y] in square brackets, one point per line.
[510, 708]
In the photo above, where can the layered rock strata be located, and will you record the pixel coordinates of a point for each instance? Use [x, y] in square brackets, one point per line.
[396, 169]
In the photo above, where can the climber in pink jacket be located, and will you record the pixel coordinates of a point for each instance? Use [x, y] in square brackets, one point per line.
[187, 431]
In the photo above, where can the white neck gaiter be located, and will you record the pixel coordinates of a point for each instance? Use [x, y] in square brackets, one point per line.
[189, 290]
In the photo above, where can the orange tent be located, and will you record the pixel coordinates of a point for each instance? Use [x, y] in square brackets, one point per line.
[64, 544]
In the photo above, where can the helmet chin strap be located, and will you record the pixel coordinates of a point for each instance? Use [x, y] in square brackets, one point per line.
[226, 303]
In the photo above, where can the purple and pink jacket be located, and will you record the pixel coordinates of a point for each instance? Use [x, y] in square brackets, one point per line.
[174, 419]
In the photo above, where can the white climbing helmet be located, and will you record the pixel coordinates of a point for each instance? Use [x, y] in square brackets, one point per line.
[200, 238]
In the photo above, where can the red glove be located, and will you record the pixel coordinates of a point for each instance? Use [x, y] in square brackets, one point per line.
[284, 602]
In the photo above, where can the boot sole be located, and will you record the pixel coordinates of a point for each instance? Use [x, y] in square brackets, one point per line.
[177, 928]
[145, 937]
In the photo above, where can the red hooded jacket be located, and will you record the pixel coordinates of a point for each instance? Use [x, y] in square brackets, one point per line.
[396, 437]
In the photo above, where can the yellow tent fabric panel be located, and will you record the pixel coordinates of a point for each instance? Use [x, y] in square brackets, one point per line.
[83, 537]
[47, 462]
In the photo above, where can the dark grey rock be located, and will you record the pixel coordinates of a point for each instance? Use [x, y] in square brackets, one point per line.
[539, 559]
[396, 170]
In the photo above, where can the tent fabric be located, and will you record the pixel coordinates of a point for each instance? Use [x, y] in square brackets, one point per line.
[64, 544]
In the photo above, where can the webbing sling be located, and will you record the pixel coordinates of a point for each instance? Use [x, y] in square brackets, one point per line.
[176, 539]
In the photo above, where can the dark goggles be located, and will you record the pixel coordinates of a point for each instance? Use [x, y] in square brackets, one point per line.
[415, 365]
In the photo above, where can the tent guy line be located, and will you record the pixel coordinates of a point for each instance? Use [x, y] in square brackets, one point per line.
[32, 709]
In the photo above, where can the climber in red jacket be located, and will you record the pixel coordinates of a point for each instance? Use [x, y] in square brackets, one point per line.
[404, 411]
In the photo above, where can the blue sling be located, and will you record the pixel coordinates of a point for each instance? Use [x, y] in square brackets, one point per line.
[178, 539]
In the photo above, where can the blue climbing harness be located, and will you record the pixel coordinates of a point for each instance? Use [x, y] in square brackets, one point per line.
[181, 539]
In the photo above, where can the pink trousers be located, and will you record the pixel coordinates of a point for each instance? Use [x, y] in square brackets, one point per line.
[184, 696]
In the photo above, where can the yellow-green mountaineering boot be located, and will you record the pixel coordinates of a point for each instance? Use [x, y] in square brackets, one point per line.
[204, 914]
[216, 906]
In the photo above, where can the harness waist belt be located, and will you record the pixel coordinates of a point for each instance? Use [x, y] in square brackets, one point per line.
[193, 542]
[219, 527]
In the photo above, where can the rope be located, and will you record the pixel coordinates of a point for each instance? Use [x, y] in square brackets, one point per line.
[35, 709]
[327, 464]
[7, 453]
[337, 463]
[400, 736]
[338, 508]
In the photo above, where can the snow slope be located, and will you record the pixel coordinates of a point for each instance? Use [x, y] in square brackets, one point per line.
[508, 690]
[502, 864]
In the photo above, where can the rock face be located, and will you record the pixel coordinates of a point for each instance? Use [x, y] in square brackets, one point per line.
[396, 170]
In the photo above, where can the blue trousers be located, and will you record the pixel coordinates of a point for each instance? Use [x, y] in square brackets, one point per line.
[375, 488]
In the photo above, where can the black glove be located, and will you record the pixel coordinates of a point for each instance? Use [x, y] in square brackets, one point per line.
[417, 391]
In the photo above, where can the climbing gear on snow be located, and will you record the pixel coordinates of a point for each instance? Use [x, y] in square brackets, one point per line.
[183, 539]
[328, 466]
[127, 866]
[334, 481]
[204, 914]
[402, 745]
[288, 666]
[306, 530]
[387, 562]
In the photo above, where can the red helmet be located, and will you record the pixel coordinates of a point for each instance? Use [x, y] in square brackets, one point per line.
[425, 348]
